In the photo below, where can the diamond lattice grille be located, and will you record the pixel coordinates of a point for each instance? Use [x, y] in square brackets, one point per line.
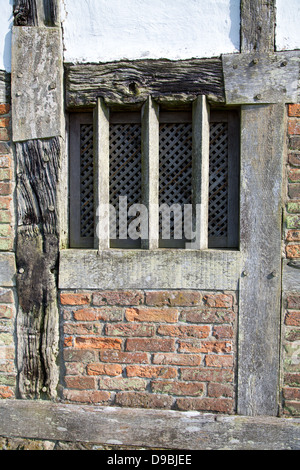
[125, 166]
[86, 181]
[175, 169]
[218, 180]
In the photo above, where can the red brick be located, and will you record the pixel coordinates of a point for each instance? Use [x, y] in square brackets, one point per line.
[97, 343]
[4, 108]
[131, 330]
[291, 393]
[294, 159]
[143, 400]
[177, 388]
[293, 301]
[218, 300]
[166, 315]
[293, 236]
[292, 318]
[104, 369]
[6, 392]
[220, 405]
[150, 345]
[173, 298]
[4, 122]
[207, 375]
[151, 372]
[184, 331]
[118, 298]
[217, 390]
[218, 361]
[294, 126]
[223, 331]
[177, 359]
[205, 346]
[207, 315]
[110, 314]
[124, 357]
[293, 251]
[5, 189]
[294, 190]
[87, 396]
[75, 299]
[294, 110]
[80, 383]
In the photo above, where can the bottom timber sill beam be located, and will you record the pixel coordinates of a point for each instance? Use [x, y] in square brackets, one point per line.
[145, 428]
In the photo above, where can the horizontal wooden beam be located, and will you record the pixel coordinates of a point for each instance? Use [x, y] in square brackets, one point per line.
[131, 82]
[152, 429]
[144, 269]
[261, 78]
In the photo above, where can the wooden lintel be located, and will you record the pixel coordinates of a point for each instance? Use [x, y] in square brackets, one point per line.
[131, 82]
[150, 429]
[261, 78]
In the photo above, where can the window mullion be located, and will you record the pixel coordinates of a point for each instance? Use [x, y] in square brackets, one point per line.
[150, 171]
[101, 178]
[200, 192]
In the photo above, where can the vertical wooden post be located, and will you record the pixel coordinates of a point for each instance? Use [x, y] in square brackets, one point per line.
[101, 182]
[150, 171]
[200, 173]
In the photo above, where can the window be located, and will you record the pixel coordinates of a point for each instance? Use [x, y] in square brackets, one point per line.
[166, 161]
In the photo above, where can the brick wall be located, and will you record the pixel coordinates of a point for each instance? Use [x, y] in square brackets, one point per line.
[7, 295]
[152, 349]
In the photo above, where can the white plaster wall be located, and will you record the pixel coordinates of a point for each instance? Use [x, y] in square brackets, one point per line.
[6, 20]
[108, 30]
[288, 25]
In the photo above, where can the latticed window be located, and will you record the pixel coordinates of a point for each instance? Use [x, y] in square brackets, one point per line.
[123, 162]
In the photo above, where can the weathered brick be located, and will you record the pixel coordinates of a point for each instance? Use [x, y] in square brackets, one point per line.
[97, 343]
[293, 236]
[177, 359]
[215, 360]
[294, 159]
[217, 390]
[292, 318]
[294, 190]
[173, 298]
[293, 301]
[204, 346]
[207, 315]
[143, 400]
[124, 298]
[220, 405]
[293, 251]
[151, 372]
[166, 315]
[184, 331]
[104, 369]
[111, 314]
[80, 383]
[150, 345]
[4, 109]
[207, 375]
[294, 126]
[294, 110]
[120, 383]
[170, 387]
[131, 330]
[124, 357]
[75, 299]
[218, 300]
[87, 396]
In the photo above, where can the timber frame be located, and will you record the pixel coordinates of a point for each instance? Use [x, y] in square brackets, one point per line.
[259, 80]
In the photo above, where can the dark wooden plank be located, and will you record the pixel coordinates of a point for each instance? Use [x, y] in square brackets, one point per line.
[151, 429]
[258, 25]
[131, 82]
[262, 150]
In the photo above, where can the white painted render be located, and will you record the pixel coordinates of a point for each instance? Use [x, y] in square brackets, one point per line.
[108, 30]
[288, 25]
[6, 20]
